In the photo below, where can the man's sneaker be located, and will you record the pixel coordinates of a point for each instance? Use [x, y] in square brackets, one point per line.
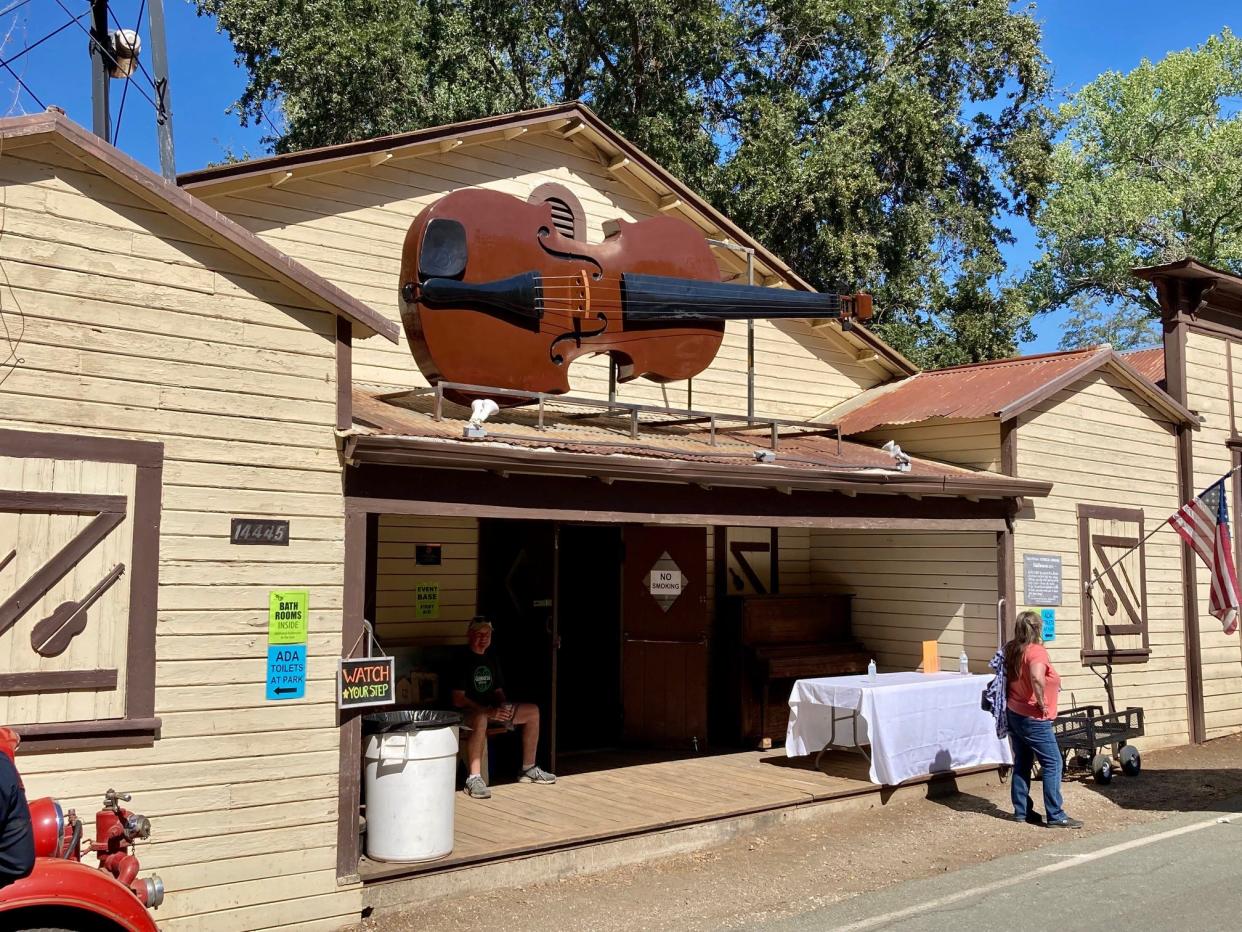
[476, 788]
[536, 775]
[1031, 818]
[1067, 822]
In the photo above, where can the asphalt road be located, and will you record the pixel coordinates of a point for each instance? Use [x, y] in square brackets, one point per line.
[1177, 874]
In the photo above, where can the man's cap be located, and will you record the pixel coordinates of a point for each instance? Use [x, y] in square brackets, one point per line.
[479, 621]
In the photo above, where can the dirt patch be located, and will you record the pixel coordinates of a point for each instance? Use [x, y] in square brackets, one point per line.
[820, 862]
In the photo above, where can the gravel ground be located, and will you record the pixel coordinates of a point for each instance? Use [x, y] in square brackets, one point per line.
[822, 861]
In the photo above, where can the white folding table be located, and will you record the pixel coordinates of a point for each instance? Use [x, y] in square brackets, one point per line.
[914, 724]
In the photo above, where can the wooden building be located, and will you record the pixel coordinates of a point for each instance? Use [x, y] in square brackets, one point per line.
[230, 348]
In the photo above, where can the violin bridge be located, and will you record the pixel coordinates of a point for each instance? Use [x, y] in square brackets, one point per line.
[581, 295]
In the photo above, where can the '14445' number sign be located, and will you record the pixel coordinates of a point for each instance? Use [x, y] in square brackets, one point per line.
[259, 531]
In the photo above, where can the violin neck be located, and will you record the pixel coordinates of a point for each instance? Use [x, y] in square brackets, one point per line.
[659, 298]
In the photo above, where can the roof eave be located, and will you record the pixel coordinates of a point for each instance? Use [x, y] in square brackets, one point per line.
[443, 453]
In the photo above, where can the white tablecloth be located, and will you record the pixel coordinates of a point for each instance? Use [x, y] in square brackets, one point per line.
[916, 723]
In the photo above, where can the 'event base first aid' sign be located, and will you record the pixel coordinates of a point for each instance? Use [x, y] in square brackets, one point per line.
[287, 624]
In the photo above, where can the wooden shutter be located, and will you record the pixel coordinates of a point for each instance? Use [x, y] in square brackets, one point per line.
[79, 564]
[1114, 608]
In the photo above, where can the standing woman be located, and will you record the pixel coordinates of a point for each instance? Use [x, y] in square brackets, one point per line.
[1030, 708]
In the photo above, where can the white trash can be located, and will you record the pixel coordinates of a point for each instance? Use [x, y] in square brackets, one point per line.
[410, 778]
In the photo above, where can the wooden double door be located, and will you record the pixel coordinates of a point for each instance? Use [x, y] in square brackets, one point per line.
[605, 626]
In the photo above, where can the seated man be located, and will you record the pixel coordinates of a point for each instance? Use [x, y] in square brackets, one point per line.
[478, 690]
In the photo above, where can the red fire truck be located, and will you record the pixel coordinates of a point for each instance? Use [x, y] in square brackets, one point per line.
[63, 893]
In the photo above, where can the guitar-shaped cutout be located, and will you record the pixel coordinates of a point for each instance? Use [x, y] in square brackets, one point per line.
[52, 635]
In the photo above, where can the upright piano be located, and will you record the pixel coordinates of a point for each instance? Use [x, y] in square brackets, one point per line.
[785, 638]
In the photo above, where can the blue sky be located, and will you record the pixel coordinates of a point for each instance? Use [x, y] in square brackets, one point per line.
[1081, 38]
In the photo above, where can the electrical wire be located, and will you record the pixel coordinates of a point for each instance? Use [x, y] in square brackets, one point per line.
[116, 133]
[107, 53]
[24, 86]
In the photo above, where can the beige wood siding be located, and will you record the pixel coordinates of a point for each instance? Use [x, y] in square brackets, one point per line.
[398, 576]
[1100, 444]
[136, 327]
[974, 444]
[350, 226]
[913, 586]
[1207, 393]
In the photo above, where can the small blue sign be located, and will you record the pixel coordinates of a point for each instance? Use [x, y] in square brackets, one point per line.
[1049, 616]
[286, 671]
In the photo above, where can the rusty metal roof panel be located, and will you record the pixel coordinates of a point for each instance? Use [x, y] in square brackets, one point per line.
[973, 391]
[411, 416]
[1149, 363]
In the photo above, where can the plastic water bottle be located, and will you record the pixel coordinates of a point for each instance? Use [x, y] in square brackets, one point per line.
[871, 672]
[963, 664]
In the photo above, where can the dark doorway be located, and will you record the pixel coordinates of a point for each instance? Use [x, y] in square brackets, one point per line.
[589, 628]
[516, 566]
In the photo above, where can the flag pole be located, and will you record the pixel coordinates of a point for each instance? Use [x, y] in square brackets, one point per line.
[1096, 575]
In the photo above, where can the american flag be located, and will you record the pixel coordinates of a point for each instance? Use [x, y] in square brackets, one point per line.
[1204, 524]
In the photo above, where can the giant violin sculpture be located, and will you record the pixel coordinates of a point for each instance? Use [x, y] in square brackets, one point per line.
[493, 295]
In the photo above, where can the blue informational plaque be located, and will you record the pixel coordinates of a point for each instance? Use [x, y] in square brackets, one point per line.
[286, 671]
[1049, 617]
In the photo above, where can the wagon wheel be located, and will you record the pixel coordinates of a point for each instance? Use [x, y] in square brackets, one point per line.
[1102, 769]
[1131, 763]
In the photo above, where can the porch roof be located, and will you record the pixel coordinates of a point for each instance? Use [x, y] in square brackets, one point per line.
[402, 428]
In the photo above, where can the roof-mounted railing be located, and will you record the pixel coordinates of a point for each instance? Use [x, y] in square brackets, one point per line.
[717, 422]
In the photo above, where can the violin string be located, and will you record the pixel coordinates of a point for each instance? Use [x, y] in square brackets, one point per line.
[658, 297]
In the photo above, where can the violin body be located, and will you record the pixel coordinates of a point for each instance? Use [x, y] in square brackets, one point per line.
[494, 296]
[506, 237]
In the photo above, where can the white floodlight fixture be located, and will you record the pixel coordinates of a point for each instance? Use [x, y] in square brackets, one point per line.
[898, 455]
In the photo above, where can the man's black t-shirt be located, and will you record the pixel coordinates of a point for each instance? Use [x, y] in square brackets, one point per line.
[478, 676]
[17, 854]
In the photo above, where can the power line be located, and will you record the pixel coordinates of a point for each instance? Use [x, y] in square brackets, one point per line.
[35, 45]
[116, 22]
[116, 135]
[24, 86]
[106, 52]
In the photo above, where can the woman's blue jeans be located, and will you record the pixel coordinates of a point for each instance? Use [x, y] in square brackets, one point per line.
[1032, 739]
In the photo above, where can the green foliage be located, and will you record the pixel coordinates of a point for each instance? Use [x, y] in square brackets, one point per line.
[1149, 172]
[873, 144]
[1089, 324]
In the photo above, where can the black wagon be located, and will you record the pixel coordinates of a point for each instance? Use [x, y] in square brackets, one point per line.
[1084, 734]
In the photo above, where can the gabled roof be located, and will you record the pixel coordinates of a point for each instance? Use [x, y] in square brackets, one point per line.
[1149, 363]
[1002, 389]
[574, 120]
[58, 130]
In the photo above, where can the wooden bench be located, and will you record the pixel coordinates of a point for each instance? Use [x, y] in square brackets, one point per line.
[422, 663]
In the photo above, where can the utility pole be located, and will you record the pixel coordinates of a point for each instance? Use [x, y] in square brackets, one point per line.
[159, 64]
[101, 39]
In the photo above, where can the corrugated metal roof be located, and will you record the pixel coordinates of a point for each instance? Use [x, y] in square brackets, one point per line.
[971, 391]
[1149, 363]
[410, 415]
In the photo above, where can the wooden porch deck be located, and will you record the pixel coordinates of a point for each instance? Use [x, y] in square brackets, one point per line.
[622, 801]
